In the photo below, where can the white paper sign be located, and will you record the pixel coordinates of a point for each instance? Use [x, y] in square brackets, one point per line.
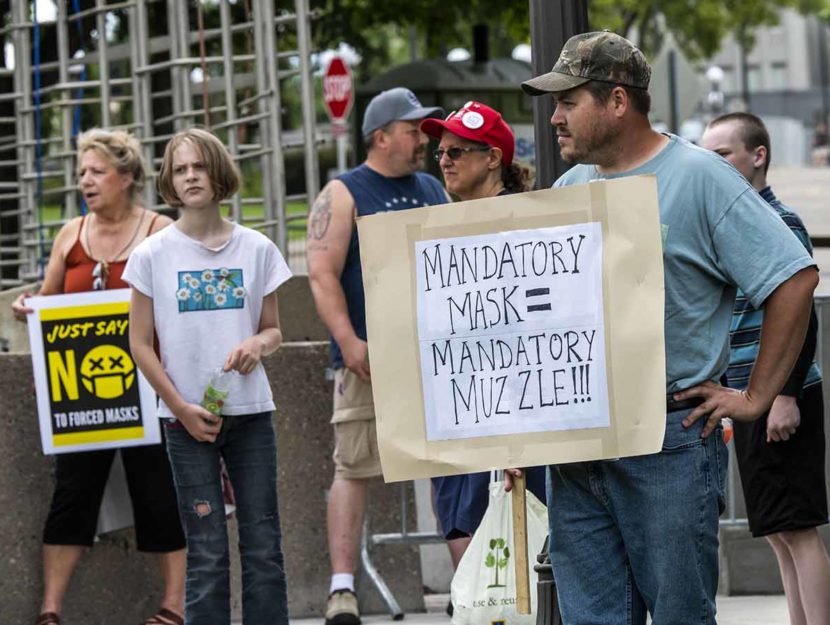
[511, 332]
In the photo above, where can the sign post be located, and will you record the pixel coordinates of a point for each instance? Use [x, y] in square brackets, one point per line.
[338, 94]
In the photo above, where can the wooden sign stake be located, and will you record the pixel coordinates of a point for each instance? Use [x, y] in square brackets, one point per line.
[520, 544]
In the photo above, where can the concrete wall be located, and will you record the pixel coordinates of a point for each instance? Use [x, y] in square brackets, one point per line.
[116, 584]
[748, 565]
[13, 334]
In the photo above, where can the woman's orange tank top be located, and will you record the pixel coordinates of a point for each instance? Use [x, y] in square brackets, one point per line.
[79, 266]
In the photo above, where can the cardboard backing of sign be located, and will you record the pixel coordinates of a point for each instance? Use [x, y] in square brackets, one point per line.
[626, 214]
[90, 393]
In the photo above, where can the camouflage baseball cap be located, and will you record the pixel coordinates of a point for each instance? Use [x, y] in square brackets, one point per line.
[603, 56]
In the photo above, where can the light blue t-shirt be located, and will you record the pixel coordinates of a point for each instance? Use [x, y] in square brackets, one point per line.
[717, 234]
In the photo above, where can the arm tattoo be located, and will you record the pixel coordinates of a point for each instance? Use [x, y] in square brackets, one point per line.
[320, 217]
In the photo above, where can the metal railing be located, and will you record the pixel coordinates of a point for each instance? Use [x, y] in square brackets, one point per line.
[402, 537]
[147, 84]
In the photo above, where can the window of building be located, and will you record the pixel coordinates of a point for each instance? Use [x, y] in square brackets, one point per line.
[730, 82]
[754, 78]
[776, 39]
[778, 76]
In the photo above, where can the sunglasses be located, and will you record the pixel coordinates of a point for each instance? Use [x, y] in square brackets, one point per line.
[456, 153]
[100, 273]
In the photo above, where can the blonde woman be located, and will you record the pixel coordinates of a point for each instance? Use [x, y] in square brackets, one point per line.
[89, 253]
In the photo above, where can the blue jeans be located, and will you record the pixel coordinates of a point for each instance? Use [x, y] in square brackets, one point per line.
[640, 532]
[248, 447]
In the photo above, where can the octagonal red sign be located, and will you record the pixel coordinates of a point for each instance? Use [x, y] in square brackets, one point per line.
[337, 89]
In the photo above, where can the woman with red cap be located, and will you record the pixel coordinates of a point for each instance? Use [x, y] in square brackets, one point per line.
[475, 152]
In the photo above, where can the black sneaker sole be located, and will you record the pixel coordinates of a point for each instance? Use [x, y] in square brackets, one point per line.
[343, 619]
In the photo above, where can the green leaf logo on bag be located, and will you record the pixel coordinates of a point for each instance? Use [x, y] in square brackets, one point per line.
[497, 559]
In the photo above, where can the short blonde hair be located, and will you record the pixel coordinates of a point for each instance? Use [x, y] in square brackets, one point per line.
[222, 171]
[120, 148]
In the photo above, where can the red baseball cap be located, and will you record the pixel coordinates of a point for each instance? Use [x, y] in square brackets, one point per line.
[476, 122]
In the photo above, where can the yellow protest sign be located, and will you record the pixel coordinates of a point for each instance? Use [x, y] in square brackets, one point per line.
[90, 394]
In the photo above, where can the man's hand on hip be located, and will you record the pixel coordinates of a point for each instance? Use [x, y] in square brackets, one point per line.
[720, 402]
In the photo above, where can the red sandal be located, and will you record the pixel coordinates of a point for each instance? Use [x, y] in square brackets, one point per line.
[48, 618]
[163, 617]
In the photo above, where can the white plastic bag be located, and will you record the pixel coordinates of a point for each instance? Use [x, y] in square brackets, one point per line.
[483, 589]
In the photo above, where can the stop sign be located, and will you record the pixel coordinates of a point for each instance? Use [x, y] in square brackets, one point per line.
[337, 89]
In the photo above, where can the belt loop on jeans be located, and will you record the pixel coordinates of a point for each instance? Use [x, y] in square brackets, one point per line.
[673, 405]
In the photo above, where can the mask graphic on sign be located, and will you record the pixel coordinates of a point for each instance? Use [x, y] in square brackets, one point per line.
[107, 371]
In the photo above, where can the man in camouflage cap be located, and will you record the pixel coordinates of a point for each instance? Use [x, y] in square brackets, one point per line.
[648, 525]
[603, 56]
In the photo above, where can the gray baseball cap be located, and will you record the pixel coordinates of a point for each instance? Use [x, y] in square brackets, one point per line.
[398, 104]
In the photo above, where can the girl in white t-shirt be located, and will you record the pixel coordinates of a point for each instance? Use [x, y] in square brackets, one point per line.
[207, 288]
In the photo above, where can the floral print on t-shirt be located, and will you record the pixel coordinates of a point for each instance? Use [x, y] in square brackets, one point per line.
[211, 289]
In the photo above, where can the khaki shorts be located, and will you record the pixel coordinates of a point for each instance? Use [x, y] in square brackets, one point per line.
[355, 440]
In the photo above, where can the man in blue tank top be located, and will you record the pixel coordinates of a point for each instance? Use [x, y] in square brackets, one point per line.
[389, 179]
[645, 528]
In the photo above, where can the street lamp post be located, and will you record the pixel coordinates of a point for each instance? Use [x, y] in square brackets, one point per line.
[552, 23]
[715, 96]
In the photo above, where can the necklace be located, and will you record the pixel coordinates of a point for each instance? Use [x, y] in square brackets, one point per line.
[123, 249]
[100, 272]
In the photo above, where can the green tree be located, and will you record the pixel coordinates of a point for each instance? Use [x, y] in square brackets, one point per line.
[697, 27]
[497, 559]
[372, 25]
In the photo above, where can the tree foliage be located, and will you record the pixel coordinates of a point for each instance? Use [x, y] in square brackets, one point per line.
[441, 23]
[370, 25]
[698, 26]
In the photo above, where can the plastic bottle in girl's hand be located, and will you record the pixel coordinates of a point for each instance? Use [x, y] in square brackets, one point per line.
[217, 390]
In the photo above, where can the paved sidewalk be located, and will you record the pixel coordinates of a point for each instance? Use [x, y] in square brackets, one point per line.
[752, 610]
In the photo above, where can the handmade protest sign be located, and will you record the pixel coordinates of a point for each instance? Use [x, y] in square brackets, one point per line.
[90, 393]
[511, 328]
[517, 331]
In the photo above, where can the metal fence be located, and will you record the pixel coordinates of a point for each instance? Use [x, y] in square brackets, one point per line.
[150, 67]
